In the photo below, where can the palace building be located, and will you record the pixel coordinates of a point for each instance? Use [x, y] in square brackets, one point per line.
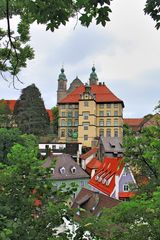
[88, 111]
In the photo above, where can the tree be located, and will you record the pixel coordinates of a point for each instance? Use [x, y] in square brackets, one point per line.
[14, 48]
[152, 8]
[8, 137]
[5, 115]
[55, 120]
[142, 152]
[30, 113]
[30, 208]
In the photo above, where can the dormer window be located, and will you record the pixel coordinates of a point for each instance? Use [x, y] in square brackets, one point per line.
[62, 170]
[73, 170]
[103, 181]
[52, 170]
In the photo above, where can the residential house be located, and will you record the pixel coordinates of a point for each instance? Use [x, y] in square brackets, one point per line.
[66, 170]
[92, 202]
[110, 147]
[88, 156]
[114, 179]
[137, 124]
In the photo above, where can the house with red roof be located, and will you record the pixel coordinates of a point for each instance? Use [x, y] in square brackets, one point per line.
[114, 179]
[88, 111]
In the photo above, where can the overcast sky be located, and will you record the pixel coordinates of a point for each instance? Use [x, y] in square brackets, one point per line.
[126, 54]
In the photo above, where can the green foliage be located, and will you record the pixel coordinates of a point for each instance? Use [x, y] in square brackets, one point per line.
[30, 114]
[5, 115]
[152, 8]
[14, 50]
[142, 152]
[55, 120]
[29, 208]
[137, 219]
[8, 137]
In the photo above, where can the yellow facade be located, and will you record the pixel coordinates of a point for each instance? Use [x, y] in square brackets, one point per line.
[87, 120]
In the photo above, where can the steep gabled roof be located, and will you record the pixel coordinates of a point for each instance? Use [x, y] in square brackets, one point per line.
[93, 202]
[102, 93]
[89, 153]
[66, 162]
[104, 178]
[112, 144]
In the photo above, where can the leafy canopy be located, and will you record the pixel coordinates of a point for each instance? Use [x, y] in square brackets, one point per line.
[30, 208]
[30, 114]
[14, 47]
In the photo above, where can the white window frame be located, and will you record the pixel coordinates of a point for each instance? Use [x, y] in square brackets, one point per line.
[125, 185]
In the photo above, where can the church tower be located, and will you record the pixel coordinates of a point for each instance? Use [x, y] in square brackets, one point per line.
[93, 77]
[62, 86]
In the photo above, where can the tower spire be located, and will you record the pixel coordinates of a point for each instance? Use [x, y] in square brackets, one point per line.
[93, 76]
[62, 85]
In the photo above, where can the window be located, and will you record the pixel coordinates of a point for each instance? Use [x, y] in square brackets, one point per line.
[101, 106]
[108, 132]
[82, 183]
[69, 123]
[63, 123]
[101, 132]
[125, 188]
[63, 114]
[116, 113]
[52, 170]
[76, 123]
[63, 133]
[116, 105]
[85, 137]
[69, 132]
[101, 113]
[108, 113]
[115, 122]
[108, 105]
[116, 132]
[63, 106]
[108, 122]
[62, 170]
[85, 115]
[85, 125]
[76, 114]
[69, 114]
[101, 122]
[70, 106]
[73, 170]
[85, 103]
[125, 171]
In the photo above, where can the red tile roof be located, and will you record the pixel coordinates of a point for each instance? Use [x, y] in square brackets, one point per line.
[132, 121]
[12, 103]
[94, 164]
[103, 94]
[106, 174]
[89, 153]
[126, 194]
[50, 114]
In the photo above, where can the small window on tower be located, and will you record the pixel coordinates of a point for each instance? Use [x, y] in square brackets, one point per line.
[86, 103]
